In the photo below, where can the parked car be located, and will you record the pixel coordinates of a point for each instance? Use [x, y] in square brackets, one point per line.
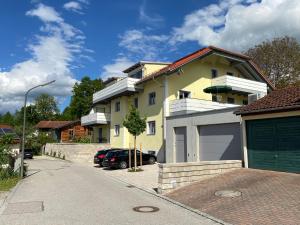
[28, 153]
[119, 159]
[100, 155]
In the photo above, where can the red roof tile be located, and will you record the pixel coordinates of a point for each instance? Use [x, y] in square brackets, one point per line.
[5, 126]
[200, 53]
[279, 100]
[51, 124]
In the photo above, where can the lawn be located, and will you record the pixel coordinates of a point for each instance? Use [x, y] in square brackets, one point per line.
[7, 184]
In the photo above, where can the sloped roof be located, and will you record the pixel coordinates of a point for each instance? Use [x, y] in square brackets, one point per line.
[5, 126]
[279, 100]
[202, 53]
[51, 124]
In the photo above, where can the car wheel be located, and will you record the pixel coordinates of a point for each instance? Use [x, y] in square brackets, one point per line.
[151, 160]
[100, 164]
[123, 165]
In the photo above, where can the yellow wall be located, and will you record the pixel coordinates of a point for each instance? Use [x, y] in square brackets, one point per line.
[196, 76]
[151, 68]
[105, 134]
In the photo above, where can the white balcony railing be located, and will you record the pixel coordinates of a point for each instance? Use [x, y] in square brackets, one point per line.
[241, 84]
[124, 85]
[95, 118]
[189, 105]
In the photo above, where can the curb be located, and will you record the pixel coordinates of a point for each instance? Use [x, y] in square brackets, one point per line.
[173, 202]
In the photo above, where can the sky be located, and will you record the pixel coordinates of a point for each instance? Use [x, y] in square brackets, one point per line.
[44, 40]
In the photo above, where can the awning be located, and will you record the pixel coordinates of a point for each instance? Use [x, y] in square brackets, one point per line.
[218, 89]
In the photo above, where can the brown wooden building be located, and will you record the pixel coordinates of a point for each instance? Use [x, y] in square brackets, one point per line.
[64, 131]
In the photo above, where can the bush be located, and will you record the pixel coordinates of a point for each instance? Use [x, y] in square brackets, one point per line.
[7, 173]
[85, 139]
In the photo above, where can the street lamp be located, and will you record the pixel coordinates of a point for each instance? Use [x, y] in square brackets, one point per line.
[24, 123]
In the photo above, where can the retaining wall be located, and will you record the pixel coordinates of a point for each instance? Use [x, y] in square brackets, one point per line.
[75, 152]
[175, 175]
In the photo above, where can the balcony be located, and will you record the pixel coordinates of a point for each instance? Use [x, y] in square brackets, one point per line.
[190, 105]
[122, 87]
[95, 118]
[236, 84]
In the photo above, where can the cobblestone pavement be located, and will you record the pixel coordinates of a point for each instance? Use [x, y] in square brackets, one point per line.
[267, 197]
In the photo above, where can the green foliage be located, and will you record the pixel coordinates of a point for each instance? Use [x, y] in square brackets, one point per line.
[35, 142]
[5, 149]
[279, 60]
[8, 183]
[46, 107]
[85, 139]
[82, 98]
[7, 118]
[134, 123]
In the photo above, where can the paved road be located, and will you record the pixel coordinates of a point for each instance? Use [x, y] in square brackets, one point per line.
[77, 194]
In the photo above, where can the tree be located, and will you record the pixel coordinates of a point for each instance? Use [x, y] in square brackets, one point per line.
[7, 118]
[82, 98]
[279, 60]
[46, 107]
[135, 126]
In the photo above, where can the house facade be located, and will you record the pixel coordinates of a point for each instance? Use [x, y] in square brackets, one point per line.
[208, 79]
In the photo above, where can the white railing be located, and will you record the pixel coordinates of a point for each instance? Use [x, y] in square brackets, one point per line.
[240, 84]
[95, 118]
[126, 84]
[189, 105]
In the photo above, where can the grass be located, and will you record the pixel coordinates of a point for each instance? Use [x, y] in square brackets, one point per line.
[137, 170]
[8, 183]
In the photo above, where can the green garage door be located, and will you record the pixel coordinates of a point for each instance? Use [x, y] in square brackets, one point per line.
[274, 144]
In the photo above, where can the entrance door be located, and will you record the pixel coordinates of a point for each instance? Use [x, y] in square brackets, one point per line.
[100, 135]
[180, 144]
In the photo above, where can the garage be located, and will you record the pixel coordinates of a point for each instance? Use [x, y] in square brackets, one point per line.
[220, 142]
[180, 144]
[271, 131]
[274, 144]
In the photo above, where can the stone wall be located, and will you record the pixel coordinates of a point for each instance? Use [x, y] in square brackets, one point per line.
[83, 153]
[175, 175]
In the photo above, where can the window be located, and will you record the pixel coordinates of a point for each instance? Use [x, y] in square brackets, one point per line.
[229, 73]
[71, 134]
[230, 100]
[151, 127]
[214, 73]
[117, 106]
[136, 102]
[100, 109]
[184, 94]
[214, 98]
[152, 98]
[245, 102]
[138, 74]
[117, 130]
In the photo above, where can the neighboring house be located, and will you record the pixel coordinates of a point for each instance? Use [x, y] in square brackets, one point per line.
[208, 79]
[8, 130]
[271, 131]
[63, 131]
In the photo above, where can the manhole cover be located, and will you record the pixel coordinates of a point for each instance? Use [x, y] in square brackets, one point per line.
[23, 207]
[146, 209]
[228, 193]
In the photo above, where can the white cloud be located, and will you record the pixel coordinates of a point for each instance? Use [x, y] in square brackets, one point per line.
[154, 20]
[52, 57]
[115, 69]
[143, 45]
[73, 6]
[240, 24]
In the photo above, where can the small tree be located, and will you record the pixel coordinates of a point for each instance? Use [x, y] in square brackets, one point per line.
[135, 126]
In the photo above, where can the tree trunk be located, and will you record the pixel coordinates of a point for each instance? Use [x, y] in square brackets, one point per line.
[135, 153]
[141, 156]
[129, 157]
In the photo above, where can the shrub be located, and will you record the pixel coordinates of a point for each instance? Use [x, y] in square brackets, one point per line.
[85, 139]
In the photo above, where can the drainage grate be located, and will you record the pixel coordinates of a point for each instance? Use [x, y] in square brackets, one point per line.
[130, 186]
[24, 207]
[228, 193]
[146, 209]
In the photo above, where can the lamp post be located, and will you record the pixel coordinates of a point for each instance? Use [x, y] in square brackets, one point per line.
[24, 123]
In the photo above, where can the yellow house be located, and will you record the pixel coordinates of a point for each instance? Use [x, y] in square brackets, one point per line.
[208, 79]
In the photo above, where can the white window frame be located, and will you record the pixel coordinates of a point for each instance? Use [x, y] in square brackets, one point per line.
[183, 92]
[151, 127]
[117, 130]
[152, 102]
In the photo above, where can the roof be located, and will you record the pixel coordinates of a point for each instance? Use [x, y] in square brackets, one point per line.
[138, 64]
[69, 124]
[51, 124]
[5, 126]
[279, 100]
[202, 53]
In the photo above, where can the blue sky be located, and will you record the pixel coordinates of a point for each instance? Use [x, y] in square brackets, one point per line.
[65, 40]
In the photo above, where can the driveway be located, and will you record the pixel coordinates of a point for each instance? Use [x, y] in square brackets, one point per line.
[266, 197]
[61, 193]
